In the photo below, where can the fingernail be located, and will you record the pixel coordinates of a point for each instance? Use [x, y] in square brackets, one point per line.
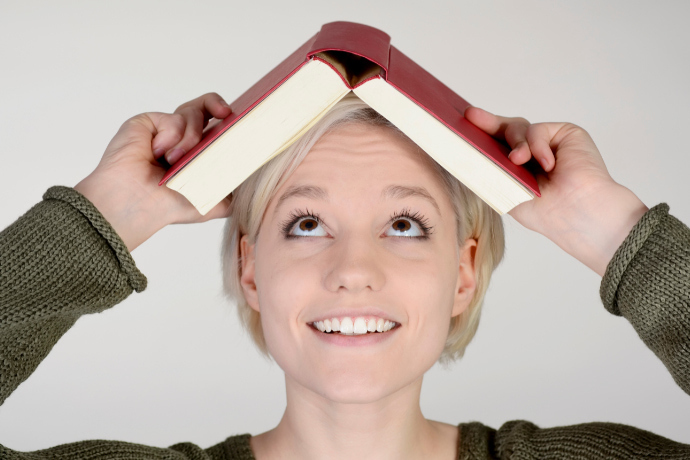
[545, 163]
[158, 153]
[174, 155]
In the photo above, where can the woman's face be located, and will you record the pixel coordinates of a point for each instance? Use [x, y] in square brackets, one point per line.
[362, 229]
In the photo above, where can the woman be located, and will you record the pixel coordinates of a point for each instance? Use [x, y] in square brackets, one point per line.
[363, 235]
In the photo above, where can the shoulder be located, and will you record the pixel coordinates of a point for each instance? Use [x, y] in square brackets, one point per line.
[235, 447]
[599, 440]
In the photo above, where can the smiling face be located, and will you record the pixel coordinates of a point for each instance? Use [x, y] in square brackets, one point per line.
[362, 229]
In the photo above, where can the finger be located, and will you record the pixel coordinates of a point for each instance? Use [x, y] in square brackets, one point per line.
[526, 140]
[211, 102]
[211, 105]
[222, 209]
[192, 215]
[539, 138]
[170, 129]
[195, 120]
[197, 113]
[491, 124]
[486, 121]
[512, 130]
[516, 137]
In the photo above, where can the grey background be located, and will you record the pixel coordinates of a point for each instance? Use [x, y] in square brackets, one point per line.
[171, 364]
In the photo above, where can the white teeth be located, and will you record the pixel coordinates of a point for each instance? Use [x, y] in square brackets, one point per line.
[360, 326]
[354, 326]
[346, 326]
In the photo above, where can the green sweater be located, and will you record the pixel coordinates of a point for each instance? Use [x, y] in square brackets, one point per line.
[62, 260]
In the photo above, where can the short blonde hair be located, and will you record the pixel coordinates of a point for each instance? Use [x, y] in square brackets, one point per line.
[474, 219]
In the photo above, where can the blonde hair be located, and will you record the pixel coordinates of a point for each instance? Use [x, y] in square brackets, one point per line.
[474, 219]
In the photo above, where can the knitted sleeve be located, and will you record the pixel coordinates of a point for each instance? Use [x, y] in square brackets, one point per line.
[59, 261]
[647, 282]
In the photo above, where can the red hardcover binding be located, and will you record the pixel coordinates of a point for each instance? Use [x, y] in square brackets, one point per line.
[397, 69]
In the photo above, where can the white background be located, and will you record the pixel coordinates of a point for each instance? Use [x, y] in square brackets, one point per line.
[171, 364]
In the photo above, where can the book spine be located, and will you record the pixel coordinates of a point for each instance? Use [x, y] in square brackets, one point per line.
[358, 39]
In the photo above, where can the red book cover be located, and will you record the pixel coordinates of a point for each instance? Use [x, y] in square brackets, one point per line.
[396, 68]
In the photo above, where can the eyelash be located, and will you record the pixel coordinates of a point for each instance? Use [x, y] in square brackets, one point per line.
[416, 217]
[292, 220]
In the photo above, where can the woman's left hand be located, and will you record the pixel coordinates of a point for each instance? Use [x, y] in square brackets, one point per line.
[581, 208]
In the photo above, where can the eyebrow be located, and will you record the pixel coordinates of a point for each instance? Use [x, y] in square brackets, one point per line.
[308, 191]
[390, 192]
[402, 191]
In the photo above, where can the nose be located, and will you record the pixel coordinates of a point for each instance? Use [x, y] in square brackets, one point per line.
[355, 265]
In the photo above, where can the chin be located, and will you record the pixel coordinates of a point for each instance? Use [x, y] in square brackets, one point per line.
[356, 386]
[356, 375]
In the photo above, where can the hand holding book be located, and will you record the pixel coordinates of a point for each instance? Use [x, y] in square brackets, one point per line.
[192, 118]
[124, 185]
[581, 208]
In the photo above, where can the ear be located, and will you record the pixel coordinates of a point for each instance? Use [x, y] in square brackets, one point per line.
[467, 277]
[247, 276]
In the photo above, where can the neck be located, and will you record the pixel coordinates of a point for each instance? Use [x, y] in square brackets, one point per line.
[393, 427]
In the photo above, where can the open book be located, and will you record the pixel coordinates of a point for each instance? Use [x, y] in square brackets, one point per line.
[346, 57]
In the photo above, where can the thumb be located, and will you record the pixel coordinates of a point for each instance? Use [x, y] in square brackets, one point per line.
[220, 211]
[223, 209]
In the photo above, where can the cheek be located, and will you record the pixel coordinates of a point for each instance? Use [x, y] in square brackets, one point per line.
[425, 294]
[283, 291]
[428, 288]
[281, 283]
[431, 296]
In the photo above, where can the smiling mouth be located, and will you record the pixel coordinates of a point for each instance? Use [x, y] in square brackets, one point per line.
[354, 326]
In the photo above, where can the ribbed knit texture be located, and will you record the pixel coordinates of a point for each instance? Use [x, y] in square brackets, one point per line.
[521, 440]
[59, 261]
[648, 282]
[62, 259]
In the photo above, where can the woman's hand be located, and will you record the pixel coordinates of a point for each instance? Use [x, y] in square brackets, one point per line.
[124, 186]
[581, 208]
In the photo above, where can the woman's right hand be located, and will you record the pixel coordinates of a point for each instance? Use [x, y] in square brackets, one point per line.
[124, 186]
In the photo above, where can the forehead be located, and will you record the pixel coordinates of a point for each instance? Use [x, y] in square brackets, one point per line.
[355, 151]
[364, 162]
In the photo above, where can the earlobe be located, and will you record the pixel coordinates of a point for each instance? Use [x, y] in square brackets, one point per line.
[247, 276]
[467, 277]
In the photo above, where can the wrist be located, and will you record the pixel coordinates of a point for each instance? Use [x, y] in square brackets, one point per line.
[133, 217]
[592, 229]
